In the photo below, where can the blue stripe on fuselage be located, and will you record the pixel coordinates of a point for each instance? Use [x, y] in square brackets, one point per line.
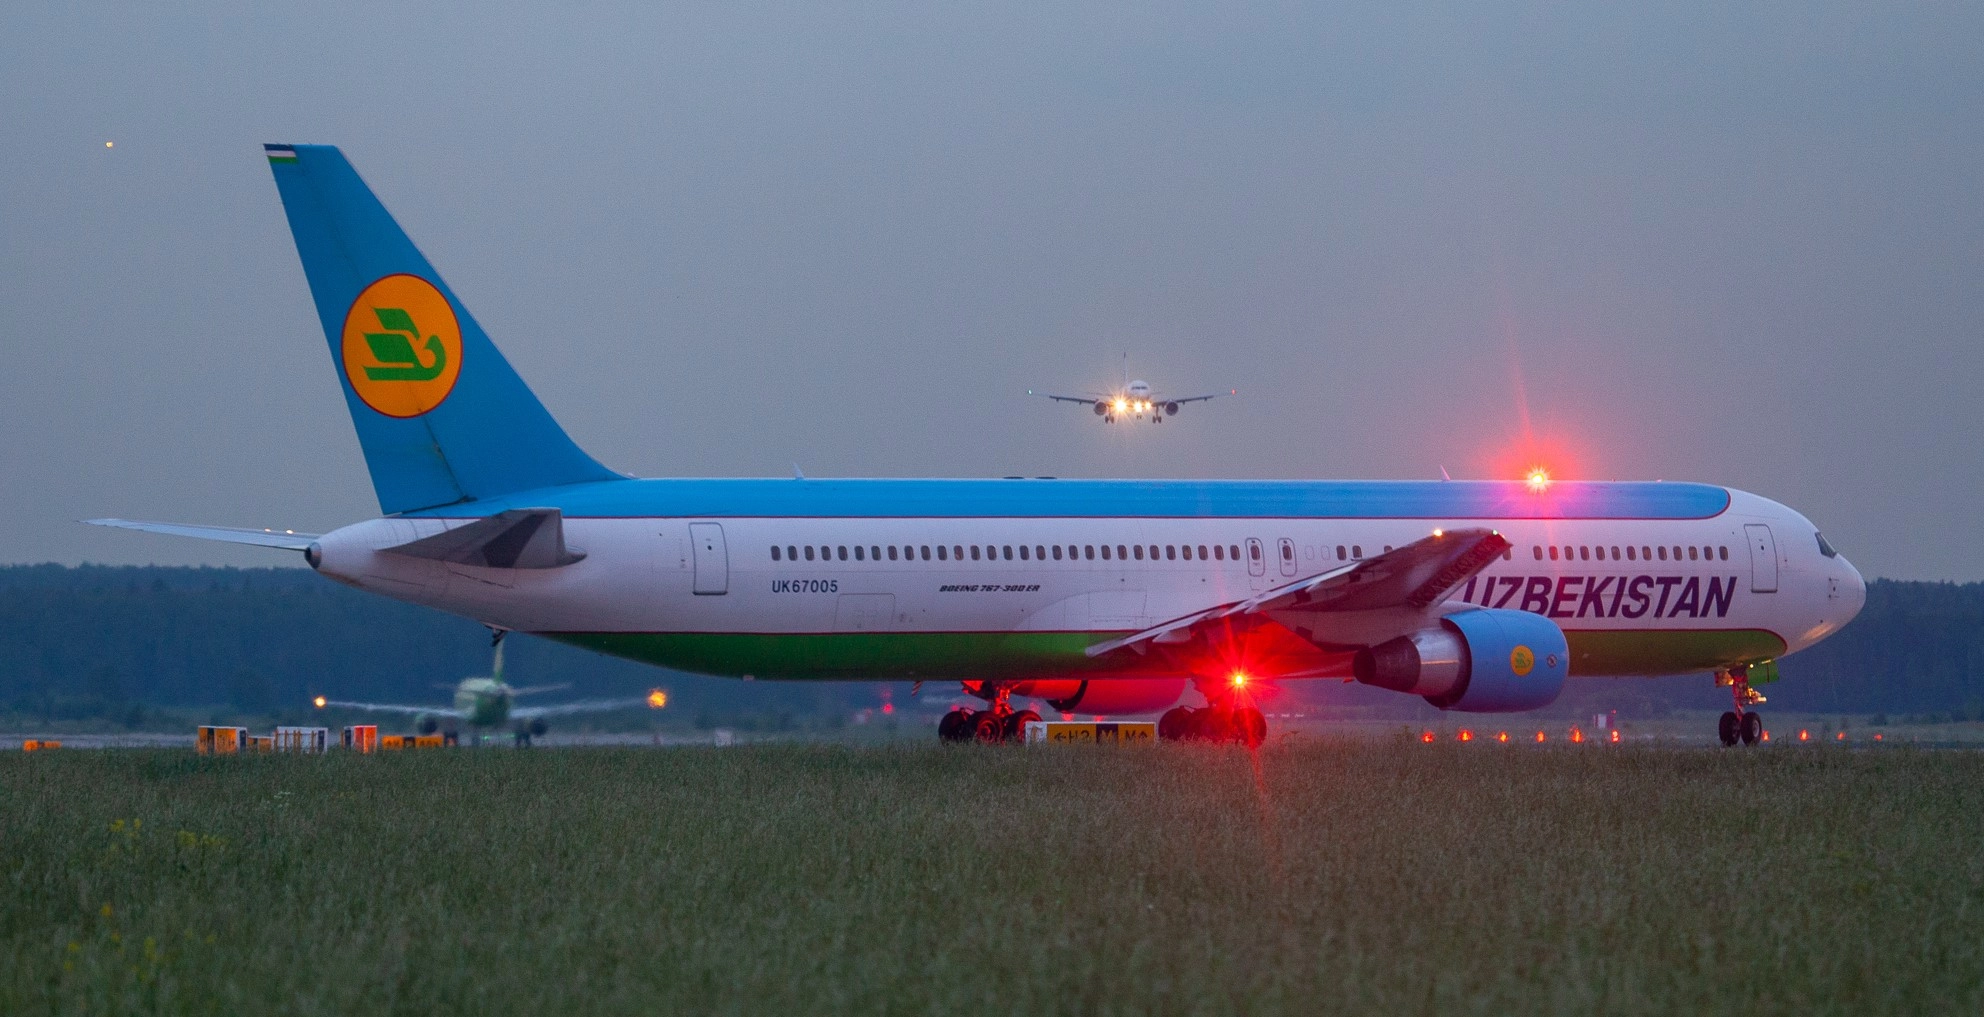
[1147, 499]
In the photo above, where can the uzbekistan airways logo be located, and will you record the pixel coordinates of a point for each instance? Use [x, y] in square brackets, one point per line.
[402, 346]
[1522, 660]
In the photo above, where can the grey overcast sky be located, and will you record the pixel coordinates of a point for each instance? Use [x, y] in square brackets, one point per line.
[1730, 243]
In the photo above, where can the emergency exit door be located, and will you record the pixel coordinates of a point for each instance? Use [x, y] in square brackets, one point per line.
[712, 558]
[1763, 558]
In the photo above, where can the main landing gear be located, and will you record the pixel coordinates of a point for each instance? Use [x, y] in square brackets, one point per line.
[1741, 724]
[997, 723]
[1224, 718]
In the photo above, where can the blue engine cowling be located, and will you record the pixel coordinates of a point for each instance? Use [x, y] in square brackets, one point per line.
[1478, 661]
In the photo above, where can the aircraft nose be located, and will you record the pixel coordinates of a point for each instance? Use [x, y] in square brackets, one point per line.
[1851, 595]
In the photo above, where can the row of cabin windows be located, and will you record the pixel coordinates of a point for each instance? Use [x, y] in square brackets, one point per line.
[1585, 553]
[992, 552]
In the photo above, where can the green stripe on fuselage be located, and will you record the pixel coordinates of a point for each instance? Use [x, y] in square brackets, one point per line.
[1010, 655]
[1596, 653]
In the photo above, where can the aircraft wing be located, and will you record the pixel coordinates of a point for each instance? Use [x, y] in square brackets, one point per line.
[288, 540]
[1088, 400]
[424, 711]
[582, 706]
[1193, 399]
[1411, 579]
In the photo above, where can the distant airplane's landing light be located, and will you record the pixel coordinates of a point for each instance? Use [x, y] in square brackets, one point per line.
[318, 702]
[657, 699]
[110, 144]
[1538, 479]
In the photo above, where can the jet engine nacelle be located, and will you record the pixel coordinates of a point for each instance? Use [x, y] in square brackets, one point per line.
[1479, 661]
[1106, 695]
[1170, 409]
[1101, 408]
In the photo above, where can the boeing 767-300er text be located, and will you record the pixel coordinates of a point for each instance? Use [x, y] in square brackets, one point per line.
[1106, 597]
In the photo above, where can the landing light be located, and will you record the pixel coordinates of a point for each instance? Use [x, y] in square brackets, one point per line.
[318, 702]
[1538, 479]
[1121, 405]
[657, 699]
[1439, 533]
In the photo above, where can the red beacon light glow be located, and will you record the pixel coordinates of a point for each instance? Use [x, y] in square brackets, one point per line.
[1239, 679]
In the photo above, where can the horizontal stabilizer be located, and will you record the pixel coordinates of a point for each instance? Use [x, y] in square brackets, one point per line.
[288, 540]
[517, 539]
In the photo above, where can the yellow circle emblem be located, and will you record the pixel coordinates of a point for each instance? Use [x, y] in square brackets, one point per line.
[1522, 661]
[402, 346]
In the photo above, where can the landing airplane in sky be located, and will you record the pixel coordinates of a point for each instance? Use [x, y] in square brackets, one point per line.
[1107, 597]
[1134, 401]
[489, 702]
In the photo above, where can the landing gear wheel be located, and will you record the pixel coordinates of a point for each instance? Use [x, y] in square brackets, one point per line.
[1175, 725]
[1016, 724]
[988, 728]
[1753, 728]
[1213, 725]
[1250, 727]
[956, 725]
[1729, 729]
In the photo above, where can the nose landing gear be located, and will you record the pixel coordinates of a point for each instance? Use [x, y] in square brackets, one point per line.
[997, 723]
[1741, 724]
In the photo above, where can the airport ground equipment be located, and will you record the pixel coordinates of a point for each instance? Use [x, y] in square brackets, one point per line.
[361, 737]
[302, 739]
[1477, 596]
[215, 740]
[39, 745]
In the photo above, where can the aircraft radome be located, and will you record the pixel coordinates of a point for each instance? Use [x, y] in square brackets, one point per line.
[1135, 400]
[1100, 596]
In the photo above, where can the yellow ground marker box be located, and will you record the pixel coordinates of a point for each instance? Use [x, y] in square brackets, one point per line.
[1093, 732]
[213, 740]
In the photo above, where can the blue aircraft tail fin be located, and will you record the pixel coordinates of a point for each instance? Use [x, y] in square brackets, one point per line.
[440, 414]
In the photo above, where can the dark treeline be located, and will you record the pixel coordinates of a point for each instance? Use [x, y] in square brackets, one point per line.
[96, 639]
[99, 640]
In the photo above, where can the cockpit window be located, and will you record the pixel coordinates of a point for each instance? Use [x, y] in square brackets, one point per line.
[1825, 548]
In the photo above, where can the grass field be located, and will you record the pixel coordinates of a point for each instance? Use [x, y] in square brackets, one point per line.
[1318, 876]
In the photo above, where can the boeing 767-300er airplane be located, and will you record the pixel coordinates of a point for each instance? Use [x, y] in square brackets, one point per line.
[1106, 597]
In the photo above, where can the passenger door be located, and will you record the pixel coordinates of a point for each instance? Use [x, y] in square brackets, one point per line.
[712, 559]
[1763, 558]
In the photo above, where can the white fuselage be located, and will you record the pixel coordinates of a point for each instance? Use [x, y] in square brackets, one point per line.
[1633, 596]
